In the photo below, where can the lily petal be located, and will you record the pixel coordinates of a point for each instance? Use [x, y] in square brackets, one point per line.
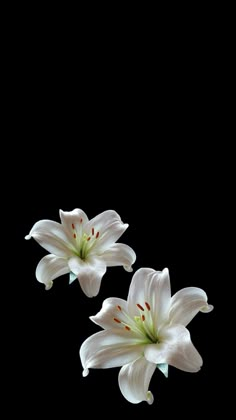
[175, 349]
[49, 268]
[113, 310]
[89, 272]
[137, 289]
[152, 287]
[119, 254]
[73, 220]
[134, 379]
[51, 236]
[110, 348]
[110, 236]
[109, 227]
[186, 303]
[102, 221]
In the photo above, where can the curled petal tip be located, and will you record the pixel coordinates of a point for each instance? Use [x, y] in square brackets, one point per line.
[207, 308]
[85, 372]
[27, 237]
[150, 398]
[49, 285]
[128, 268]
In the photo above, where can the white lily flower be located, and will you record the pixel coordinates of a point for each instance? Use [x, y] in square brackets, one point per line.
[81, 247]
[145, 332]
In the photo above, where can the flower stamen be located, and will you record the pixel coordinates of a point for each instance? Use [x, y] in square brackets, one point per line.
[117, 320]
[145, 322]
[148, 306]
[127, 328]
[92, 231]
[73, 226]
[118, 307]
[97, 235]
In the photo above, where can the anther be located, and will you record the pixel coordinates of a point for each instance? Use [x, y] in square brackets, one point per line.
[117, 320]
[148, 306]
[127, 328]
[81, 220]
[119, 307]
[88, 239]
[74, 235]
[92, 231]
[140, 307]
[143, 318]
[73, 226]
[97, 235]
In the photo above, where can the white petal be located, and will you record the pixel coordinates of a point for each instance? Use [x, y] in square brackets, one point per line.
[110, 348]
[89, 272]
[176, 349]
[152, 287]
[102, 221]
[49, 268]
[109, 237]
[109, 226]
[112, 308]
[51, 236]
[119, 254]
[186, 303]
[134, 379]
[137, 289]
[73, 220]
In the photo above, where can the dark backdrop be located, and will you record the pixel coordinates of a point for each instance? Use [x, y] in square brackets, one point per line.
[140, 143]
[169, 209]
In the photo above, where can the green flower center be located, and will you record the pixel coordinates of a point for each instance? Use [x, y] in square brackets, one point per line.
[83, 243]
[142, 325]
[147, 329]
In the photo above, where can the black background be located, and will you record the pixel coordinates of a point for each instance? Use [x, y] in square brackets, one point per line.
[170, 226]
[129, 134]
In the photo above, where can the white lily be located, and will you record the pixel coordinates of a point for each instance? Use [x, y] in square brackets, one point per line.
[146, 332]
[81, 247]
